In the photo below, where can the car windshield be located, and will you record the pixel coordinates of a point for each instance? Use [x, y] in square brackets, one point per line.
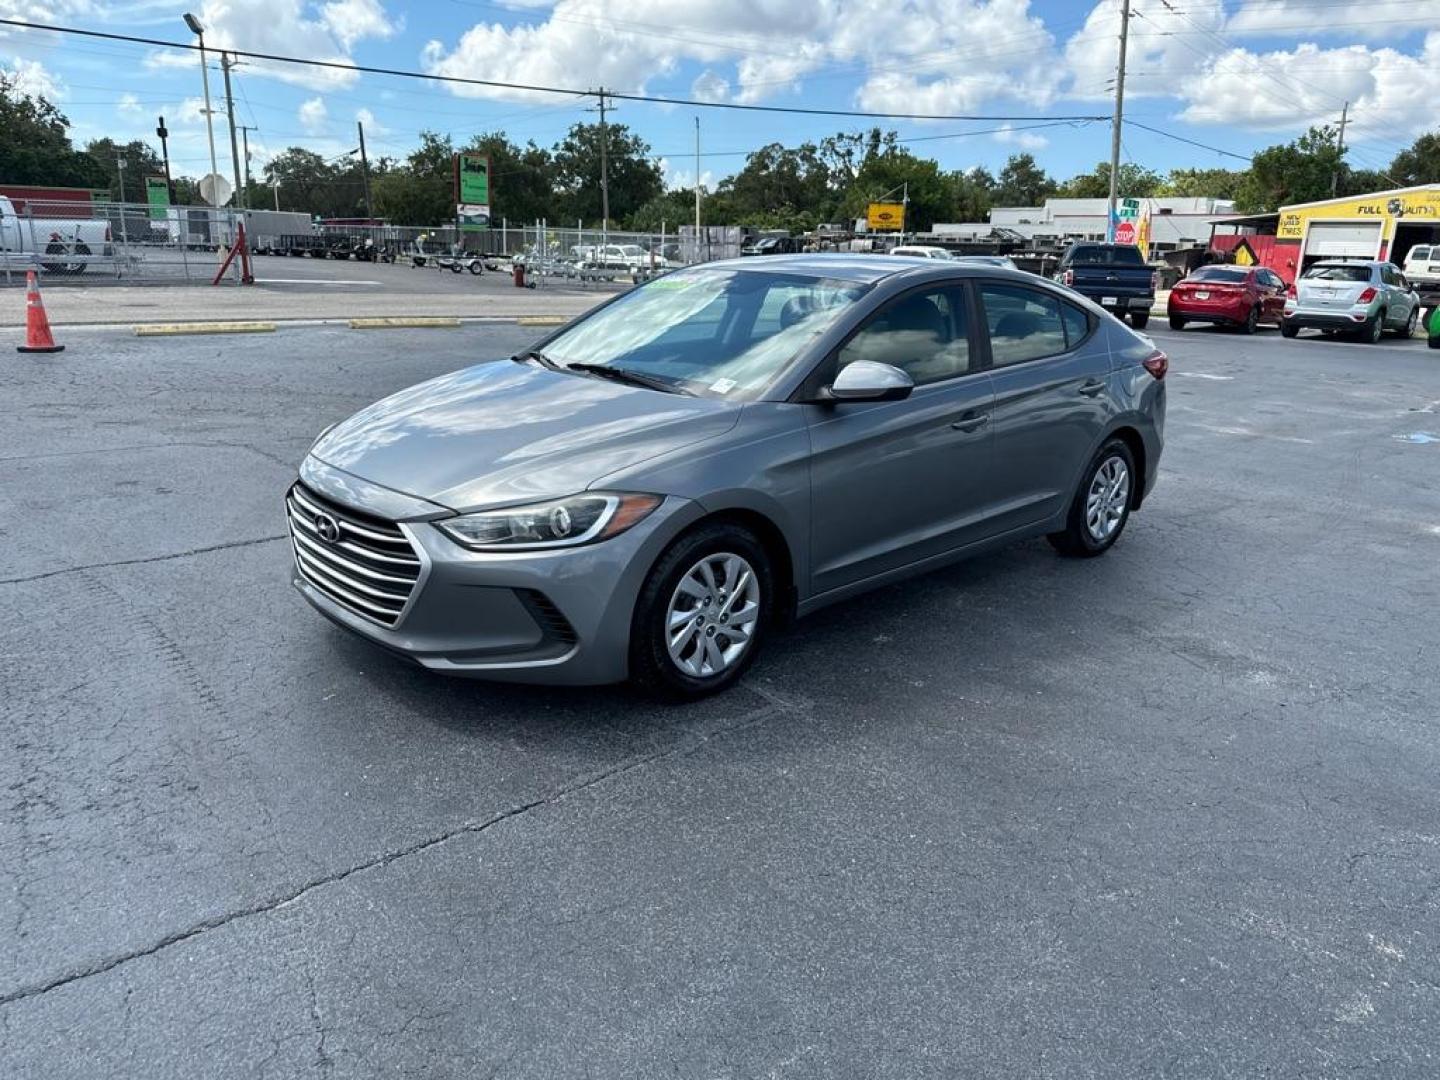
[1338, 273]
[1215, 273]
[712, 332]
[633, 249]
[1106, 255]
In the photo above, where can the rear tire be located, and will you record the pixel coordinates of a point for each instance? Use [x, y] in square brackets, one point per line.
[703, 641]
[1408, 331]
[1288, 329]
[1102, 503]
[1177, 323]
[1373, 329]
[1139, 319]
[1252, 321]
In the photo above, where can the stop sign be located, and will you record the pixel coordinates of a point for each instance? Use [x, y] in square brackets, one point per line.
[1125, 232]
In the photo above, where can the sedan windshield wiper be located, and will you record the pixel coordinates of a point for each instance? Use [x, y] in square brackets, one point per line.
[632, 378]
[538, 356]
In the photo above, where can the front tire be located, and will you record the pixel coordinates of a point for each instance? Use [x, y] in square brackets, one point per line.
[1139, 319]
[1102, 502]
[702, 613]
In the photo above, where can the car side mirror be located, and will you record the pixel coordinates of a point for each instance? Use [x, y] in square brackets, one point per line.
[868, 380]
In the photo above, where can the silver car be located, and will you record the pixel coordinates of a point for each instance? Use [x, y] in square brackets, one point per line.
[651, 489]
[1362, 298]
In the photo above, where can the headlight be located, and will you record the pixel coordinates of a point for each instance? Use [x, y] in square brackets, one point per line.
[578, 519]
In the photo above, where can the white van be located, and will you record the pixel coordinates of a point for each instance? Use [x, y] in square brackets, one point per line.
[921, 251]
[1422, 264]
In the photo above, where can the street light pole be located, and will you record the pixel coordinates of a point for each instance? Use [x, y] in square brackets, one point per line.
[199, 31]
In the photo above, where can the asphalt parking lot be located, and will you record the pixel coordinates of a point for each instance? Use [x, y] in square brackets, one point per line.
[1172, 812]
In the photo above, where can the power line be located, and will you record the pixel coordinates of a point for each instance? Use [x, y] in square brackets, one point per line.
[527, 87]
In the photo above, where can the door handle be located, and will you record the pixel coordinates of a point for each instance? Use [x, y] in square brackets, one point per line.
[971, 423]
[1092, 387]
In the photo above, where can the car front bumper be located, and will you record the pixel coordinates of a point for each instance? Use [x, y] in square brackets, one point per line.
[559, 616]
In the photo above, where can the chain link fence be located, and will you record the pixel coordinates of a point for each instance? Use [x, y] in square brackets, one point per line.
[89, 242]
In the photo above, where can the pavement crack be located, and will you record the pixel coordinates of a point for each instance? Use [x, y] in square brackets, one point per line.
[147, 559]
[295, 893]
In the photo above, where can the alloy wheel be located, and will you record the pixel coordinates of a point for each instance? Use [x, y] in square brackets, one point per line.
[1108, 499]
[710, 621]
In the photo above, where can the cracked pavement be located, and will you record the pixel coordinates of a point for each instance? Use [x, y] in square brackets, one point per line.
[1168, 813]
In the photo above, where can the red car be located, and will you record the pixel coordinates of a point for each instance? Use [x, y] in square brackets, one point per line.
[1238, 296]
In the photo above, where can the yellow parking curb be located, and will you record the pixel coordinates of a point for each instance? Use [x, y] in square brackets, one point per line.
[159, 329]
[540, 320]
[400, 322]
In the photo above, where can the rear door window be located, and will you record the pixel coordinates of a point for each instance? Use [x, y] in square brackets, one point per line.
[1024, 324]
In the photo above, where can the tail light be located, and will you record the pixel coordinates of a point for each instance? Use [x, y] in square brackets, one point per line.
[1067, 278]
[1366, 296]
[1157, 364]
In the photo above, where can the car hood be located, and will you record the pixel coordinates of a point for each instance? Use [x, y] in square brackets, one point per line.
[502, 433]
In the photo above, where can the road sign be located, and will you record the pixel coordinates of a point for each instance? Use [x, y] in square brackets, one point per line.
[214, 189]
[472, 179]
[1125, 232]
[473, 216]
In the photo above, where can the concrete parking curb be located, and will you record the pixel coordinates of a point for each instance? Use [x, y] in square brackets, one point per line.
[541, 320]
[404, 322]
[164, 329]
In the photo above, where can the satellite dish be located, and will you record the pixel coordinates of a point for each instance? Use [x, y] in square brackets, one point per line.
[215, 189]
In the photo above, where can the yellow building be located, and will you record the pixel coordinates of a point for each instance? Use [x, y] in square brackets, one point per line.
[1384, 225]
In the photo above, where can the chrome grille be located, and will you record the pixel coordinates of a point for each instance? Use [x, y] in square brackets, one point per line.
[368, 566]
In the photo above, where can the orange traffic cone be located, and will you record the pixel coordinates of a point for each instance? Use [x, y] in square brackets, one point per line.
[37, 327]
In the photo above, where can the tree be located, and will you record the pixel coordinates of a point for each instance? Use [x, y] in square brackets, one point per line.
[1296, 172]
[35, 143]
[127, 184]
[895, 173]
[970, 194]
[1022, 183]
[781, 188]
[633, 178]
[1202, 183]
[422, 191]
[1420, 164]
[670, 209]
[1135, 182]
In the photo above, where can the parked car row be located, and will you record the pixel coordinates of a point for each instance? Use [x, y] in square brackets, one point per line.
[1362, 298]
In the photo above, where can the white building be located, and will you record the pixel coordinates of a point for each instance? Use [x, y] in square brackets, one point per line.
[1174, 222]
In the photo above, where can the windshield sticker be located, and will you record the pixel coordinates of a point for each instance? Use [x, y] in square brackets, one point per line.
[723, 386]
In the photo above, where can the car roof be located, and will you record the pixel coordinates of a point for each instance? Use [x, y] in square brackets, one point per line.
[860, 267]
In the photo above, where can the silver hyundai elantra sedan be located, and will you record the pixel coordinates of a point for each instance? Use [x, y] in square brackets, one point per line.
[650, 490]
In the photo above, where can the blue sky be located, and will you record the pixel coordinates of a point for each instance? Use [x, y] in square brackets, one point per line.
[1233, 74]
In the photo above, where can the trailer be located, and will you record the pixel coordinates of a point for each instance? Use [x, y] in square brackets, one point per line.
[268, 231]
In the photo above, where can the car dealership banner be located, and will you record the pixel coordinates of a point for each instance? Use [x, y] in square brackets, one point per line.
[885, 217]
[472, 191]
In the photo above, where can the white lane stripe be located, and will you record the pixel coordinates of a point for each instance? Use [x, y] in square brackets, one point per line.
[311, 281]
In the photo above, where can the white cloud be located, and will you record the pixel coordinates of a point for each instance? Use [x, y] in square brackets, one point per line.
[373, 127]
[31, 77]
[709, 86]
[1376, 19]
[676, 179]
[905, 52]
[128, 105]
[1024, 139]
[287, 28]
[314, 117]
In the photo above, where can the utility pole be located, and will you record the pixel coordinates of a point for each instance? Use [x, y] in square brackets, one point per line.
[1340, 145]
[697, 185]
[245, 130]
[163, 134]
[604, 169]
[364, 169]
[120, 172]
[1117, 121]
[226, 63]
